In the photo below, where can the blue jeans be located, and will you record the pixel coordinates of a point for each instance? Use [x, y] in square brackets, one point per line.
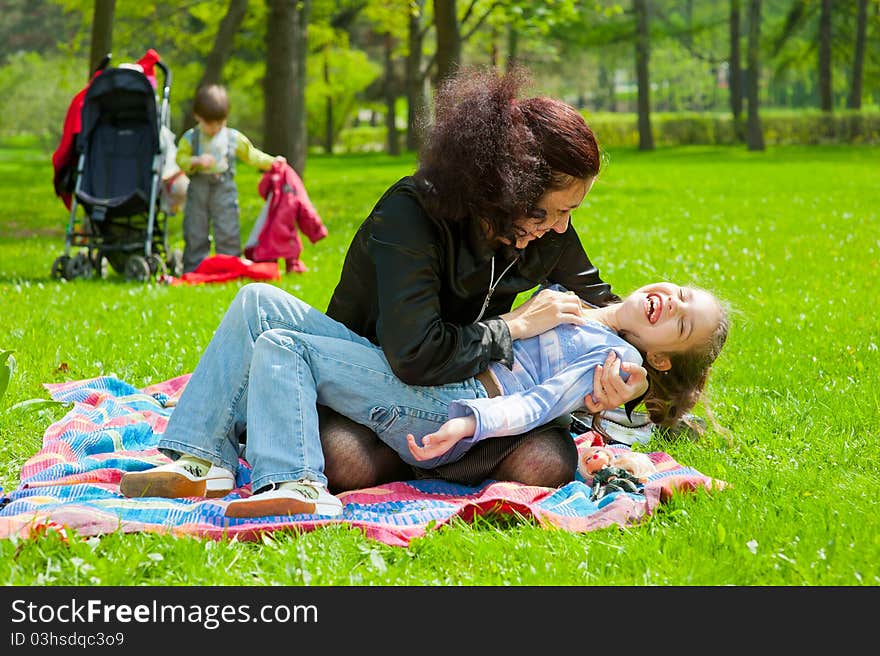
[271, 361]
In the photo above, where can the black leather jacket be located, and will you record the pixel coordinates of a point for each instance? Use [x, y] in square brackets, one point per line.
[415, 285]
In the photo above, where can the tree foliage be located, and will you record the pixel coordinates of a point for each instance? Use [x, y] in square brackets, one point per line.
[580, 50]
[336, 73]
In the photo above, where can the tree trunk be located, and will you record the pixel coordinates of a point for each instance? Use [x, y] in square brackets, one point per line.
[328, 118]
[392, 145]
[689, 23]
[512, 48]
[855, 89]
[448, 39]
[643, 51]
[754, 132]
[603, 99]
[300, 131]
[284, 123]
[826, 99]
[219, 54]
[416, 102]
[734, 74]
[102, 33]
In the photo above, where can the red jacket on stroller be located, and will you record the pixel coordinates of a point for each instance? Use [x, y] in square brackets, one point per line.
[287, 209]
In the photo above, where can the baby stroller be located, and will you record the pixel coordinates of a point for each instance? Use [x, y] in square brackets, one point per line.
[119, 160]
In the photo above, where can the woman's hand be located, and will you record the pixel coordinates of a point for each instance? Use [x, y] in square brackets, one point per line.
[610, 390]
[437, 443]
[543, 311]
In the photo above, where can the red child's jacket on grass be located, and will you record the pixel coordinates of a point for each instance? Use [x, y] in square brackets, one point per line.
[289, 212]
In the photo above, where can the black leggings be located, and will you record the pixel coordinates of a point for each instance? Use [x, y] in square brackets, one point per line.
[355, 458]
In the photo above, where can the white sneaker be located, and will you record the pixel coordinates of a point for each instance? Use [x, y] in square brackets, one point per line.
[180, 478]
[294, 498]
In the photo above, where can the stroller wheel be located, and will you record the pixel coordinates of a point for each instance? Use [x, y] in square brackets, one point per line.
[136, 268]
[100, 263]
[58, 266]
[157, 266]
[175, 263]
[79, 266]
[117, 261]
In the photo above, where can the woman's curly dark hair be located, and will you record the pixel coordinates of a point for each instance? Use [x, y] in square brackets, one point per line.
[491, 156]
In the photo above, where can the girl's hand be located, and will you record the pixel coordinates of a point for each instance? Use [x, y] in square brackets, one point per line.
[448, 435]
[543, 311]
[610, 390]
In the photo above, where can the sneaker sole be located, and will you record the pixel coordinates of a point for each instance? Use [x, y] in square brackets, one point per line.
[168, 485]
[280, 506]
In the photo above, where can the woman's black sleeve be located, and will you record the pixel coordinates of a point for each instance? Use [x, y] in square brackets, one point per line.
[421, 347]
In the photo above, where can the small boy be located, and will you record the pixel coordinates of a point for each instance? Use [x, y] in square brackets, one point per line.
[207, 154]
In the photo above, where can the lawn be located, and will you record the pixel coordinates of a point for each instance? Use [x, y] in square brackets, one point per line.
[789, 238]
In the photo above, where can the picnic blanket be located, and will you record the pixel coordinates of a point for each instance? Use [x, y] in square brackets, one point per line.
[72, 483]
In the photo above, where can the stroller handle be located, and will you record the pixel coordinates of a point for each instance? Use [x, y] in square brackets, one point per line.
[166, 72]
[105, 61]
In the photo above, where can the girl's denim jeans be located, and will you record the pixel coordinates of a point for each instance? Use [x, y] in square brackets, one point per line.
[271, 361]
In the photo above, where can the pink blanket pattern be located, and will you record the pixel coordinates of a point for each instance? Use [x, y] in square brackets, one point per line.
[72, 483]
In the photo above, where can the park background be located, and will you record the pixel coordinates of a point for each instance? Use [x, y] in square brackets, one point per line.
[761, 185]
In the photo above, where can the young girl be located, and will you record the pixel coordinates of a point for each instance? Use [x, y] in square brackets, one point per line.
[274, 358]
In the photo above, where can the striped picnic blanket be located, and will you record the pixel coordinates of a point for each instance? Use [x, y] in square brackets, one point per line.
[72, 483]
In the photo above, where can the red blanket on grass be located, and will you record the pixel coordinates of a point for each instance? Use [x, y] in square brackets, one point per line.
[72, 483]
[223, 268]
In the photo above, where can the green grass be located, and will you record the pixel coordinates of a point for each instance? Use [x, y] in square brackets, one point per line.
[789, 237]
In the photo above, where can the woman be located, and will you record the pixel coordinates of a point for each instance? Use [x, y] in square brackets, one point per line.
[433, 272]
[274, 357]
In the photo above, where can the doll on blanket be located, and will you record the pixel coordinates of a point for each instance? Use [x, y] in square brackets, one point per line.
[610, 472]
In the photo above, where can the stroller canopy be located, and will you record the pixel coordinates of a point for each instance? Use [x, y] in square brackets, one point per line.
[121, 95]
[119, 138]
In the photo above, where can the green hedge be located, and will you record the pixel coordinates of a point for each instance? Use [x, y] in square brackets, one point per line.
[780, 128]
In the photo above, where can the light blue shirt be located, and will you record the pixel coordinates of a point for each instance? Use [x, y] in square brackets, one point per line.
[551, 374]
